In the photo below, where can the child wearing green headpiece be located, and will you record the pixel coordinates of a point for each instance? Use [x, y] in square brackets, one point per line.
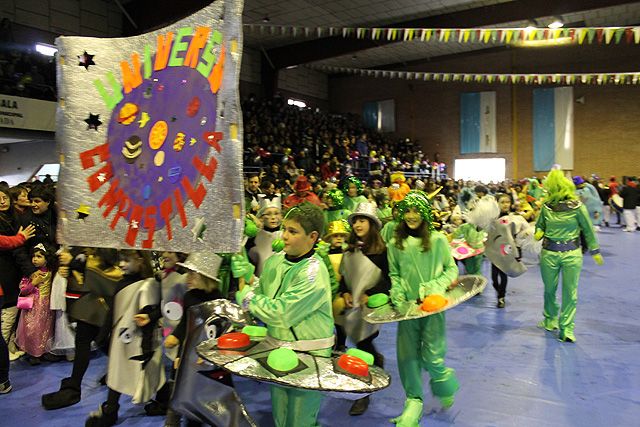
[562, 219]
[420, 264]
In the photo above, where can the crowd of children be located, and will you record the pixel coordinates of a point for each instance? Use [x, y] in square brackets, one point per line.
[311, 262]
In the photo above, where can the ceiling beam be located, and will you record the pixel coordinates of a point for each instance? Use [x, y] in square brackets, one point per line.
[329, 47]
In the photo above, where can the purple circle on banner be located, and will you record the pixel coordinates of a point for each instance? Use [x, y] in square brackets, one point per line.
[179, 97]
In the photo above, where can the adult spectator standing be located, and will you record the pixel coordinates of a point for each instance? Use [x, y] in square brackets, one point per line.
[251, 193]
[631, 196]
[613, 190]
[303, 193]
[43, 217]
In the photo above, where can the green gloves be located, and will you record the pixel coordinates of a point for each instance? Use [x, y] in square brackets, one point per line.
[322, 249]
[598, 259]
[241, 267]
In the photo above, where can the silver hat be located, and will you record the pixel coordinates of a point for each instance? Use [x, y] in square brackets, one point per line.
[205, 263]
[367, 210]
[265, 203]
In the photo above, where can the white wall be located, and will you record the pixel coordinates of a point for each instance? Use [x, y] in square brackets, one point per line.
[24, 159]
[304, 81]
[98, 18]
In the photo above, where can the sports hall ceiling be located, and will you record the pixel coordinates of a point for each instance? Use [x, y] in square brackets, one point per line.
[287, 51]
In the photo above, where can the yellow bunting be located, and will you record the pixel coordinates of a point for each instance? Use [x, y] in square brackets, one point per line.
[233, 46]
[581, 34]
[608, 34]
[237, 210]
[509, 35]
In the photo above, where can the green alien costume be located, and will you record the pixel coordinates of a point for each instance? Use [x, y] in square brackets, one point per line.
[562, 224]
[475, 239]
[562, 219]
[421, 343]
[293, 298]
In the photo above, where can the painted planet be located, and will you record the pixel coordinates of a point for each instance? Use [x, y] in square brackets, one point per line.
[193, 107]
[158, 159]
[128, 113]
[158, 134]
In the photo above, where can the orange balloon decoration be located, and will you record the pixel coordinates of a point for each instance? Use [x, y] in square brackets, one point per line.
[433, 303]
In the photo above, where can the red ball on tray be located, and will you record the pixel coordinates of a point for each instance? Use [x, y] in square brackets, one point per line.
[353, 365]
[233, 340]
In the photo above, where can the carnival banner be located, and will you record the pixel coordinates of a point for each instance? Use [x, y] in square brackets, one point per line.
[150, 130]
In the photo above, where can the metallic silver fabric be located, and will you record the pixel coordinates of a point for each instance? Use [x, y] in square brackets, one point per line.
[360, 274]
[196, 394]
[319, 373]
[161, 140]
[205, 263]
[468, 286]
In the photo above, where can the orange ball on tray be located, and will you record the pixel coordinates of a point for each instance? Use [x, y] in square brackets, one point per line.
[433, 303]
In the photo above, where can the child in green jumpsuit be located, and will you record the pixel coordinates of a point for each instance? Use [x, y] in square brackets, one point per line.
[293, 298]
[420, 264]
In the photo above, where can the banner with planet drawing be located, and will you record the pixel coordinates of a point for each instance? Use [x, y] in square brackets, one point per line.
[150, 133]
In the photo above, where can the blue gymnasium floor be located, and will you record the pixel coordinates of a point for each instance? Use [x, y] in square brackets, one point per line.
[511, 373]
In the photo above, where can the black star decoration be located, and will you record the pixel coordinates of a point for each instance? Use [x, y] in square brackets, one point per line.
[86, 60]
[93, 121]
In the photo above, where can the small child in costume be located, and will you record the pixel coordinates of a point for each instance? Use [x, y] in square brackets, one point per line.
[35, 327]
[352, 188]
[336, 236]
[135, 354]
[203, 285]
[420, 264]
[259, 248]
[293, 298]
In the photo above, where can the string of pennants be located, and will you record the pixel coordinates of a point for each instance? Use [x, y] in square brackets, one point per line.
[555, 78]
[590, 35]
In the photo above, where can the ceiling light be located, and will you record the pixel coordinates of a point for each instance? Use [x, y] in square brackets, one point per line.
[46, 49]
[560, 41]
[557, 23]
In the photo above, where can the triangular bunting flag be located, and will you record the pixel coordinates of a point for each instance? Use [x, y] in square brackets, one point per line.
[608, 35]
[600, 34]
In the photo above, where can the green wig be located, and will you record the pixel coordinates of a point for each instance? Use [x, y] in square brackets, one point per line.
[337, 197]
[419, 200]
[559, 188]
[352, 180]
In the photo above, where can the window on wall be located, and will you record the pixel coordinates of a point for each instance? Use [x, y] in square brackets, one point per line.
[380, 115]
[297, 103]
[483, 170]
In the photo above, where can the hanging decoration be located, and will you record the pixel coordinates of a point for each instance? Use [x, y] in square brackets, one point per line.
[581, 35]
[535, 78]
